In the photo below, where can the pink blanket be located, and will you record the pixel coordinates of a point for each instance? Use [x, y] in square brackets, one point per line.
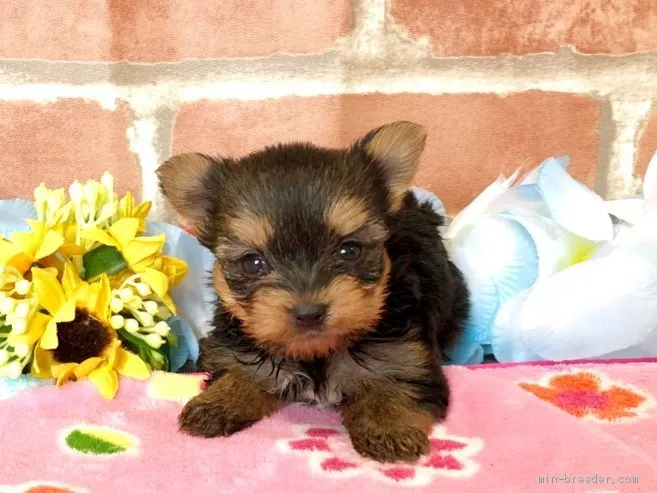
[579, 427]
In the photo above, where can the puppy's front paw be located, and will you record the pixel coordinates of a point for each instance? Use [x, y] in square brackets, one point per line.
[210, 419]
[229, 404]
[390, 443]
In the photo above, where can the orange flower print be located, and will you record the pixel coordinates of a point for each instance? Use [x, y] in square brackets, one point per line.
[41, 487]
[589, 395]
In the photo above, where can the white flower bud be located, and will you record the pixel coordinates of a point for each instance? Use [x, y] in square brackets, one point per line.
[90, 191]
[117, 322]
[125, 294]
[21, 350]
[41, 193]
[60, 197]
[4, 356]
[154, 340]
[162, 328]
[19, 326]
[22, 310]
[55, 201]
[145, 319]
[75, 191]
[151, 307]
[7, 305]
[135, 303]
[116, 305]
[131, 325]
[107, 211]
[107, 181]
[143, 289]
[23, 287]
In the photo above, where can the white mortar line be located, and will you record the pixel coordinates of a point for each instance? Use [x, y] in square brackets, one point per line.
[141, 135]
[335, 76]
[367, 38]
[629, 117]
[254, 90]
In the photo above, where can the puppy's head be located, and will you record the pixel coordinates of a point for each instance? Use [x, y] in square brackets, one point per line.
[299, 233]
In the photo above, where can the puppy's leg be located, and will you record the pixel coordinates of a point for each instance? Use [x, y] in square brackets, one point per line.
[229, 404]
[390, 421]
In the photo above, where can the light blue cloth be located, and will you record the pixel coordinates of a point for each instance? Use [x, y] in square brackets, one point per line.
[10, 386]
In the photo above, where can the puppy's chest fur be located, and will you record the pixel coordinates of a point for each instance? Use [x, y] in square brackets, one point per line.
[327, 382]
[320, 382]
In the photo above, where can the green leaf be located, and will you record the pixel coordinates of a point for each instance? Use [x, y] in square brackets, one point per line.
[156, 358]
[104, 259]
[5, 329]
[132, 343]
[172, 339]
[89, 444]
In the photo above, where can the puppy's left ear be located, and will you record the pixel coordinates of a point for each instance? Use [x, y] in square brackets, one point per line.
[396, 149]
[185, 182]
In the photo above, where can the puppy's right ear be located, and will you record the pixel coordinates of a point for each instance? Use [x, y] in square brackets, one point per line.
[184, 182]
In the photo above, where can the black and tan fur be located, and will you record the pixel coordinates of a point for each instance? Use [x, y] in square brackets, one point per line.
[393, 302]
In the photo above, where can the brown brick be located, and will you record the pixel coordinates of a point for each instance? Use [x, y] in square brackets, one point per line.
[520, 27]
[168, 30]
[647, 142]
[472, 138]
[63, 141]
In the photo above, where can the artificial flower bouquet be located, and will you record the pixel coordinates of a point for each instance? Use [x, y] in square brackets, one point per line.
[87, 288]
[555, 271]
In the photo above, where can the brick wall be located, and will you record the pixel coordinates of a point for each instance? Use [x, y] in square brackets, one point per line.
[89, 85]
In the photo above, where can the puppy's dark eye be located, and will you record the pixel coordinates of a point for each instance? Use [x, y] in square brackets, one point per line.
[254, 265]
[350, 250]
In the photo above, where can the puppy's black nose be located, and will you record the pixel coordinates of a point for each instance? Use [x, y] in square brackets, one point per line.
[309, 316]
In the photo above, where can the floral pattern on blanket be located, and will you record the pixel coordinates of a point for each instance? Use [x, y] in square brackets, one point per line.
[592, 396]
[329, 452]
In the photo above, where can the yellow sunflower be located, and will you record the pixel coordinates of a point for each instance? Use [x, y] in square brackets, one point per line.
[103, 371]
[77, 340]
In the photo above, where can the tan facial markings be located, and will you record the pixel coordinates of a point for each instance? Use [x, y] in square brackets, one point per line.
[251, 230]
[347, 215]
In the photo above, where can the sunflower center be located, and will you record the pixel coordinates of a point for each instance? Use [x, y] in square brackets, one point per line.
[80, 339]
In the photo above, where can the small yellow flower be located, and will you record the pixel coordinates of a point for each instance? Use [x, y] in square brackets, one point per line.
[139, 252]
[23, 249]
[103, 371]
[174, 268]
[35, 328]
[128, 209]
[53, 299]
[93, 297]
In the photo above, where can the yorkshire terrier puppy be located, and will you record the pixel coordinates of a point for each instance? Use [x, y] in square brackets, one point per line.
[333, 285]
